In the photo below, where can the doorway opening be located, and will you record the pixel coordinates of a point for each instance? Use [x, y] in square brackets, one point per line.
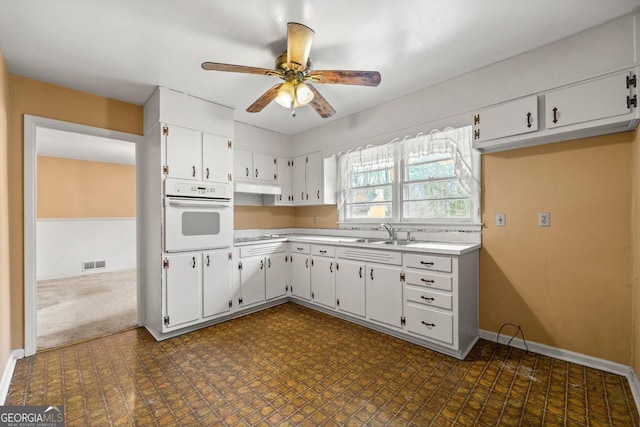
[81, 275]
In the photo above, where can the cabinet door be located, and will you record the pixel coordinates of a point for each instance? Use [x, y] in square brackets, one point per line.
[217, 277]
[300, 276]
[511, 118]
[252, 281]
[242, 164]
[313, 178]
[350, 287]
[323, 284]
[183, 148]
[300, 195]
[592, 100]
[265, 167]
[384, 294]
[284, 181]
[217, 159]
[182, 281]
[278, 274]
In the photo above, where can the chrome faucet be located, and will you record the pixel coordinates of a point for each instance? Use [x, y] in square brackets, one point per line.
[392, 233]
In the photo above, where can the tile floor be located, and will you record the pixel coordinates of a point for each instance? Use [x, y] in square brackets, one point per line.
[290, 365]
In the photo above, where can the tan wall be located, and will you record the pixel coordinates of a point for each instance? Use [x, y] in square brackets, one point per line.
[317, 217]
[5, 291]
[569, 285]
[256, 217]
[37, 98]
[91, 189]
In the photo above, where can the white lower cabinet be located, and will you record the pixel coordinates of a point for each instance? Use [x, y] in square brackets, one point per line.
[350, 287]
[278, 275]
[263, 272]
[441, 299]
[217, 276]
[300, 271]
[323, 279]
[197, 287]
[384, 294]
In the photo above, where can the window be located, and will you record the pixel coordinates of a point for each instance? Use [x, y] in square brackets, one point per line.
[438, 183]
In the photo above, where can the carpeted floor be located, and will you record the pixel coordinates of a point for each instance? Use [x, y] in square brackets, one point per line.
[78, 308]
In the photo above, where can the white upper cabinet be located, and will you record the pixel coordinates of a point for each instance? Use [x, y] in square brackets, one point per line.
[601, 98]
[255, 166]
[511, 118]
[184, 152]
[217, 158]
[285, 170]
[191, 154]
[599, 106]
[314, 180]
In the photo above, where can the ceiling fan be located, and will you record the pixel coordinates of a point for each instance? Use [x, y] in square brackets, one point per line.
[294, 67]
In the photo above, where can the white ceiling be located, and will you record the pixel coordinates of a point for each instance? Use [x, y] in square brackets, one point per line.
[123, 49]
[71, 145]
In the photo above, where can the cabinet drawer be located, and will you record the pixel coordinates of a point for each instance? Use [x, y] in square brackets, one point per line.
[429, 280]
[300, 248]
[323, 250]
[428, 262]
[429, 298]
[429, 323]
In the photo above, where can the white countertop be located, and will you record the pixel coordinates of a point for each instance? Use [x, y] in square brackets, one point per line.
[416, 246]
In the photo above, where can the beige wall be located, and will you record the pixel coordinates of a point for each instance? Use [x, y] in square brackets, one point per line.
[255, 217]
[569, 285]
[37, 98]
[5, 291]
[91, 189]
[317, 217]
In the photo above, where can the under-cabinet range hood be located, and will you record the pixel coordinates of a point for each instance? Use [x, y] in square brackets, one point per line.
[256, 188]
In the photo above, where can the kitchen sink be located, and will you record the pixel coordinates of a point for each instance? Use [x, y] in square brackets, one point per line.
[393, 242]
[369, 240]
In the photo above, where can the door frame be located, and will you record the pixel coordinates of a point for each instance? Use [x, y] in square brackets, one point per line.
[31, 125]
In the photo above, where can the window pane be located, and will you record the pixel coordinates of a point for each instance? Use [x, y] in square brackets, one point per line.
[434, 190]
[424, 171]
[379, 210]
[374, 194]
[366, 179]
[445, 209]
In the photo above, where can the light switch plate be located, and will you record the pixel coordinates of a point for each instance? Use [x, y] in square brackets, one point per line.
[501, 220]
[544, 219]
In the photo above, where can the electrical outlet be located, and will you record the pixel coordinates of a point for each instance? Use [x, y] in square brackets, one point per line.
[501, 220]
[544, 219]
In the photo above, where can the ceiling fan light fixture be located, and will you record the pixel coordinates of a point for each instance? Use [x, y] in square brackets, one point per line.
[286, 94]
[303, 94]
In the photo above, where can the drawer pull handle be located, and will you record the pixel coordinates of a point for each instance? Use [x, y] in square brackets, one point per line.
[323, 252]
[360, 273]
[427, 280]
[431, 325]
[529, 120]
[427, 298]
[555, 114]
[427, 263]
[300, 249]
[371, 274]
[331, 268]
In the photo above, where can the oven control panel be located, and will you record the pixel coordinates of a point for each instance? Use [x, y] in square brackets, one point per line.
[185, 188]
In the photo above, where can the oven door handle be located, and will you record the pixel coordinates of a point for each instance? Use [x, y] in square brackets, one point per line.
[197, 203]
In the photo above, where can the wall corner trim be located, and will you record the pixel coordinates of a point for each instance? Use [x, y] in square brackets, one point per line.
[573, 357]
[8, 373]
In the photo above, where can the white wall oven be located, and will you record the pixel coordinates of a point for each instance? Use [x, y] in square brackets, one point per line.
[197, 215]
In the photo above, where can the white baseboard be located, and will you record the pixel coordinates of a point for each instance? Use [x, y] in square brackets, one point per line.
[5, 381]
[573, 357]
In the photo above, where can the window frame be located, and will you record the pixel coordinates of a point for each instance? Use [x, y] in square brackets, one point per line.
[399, 165]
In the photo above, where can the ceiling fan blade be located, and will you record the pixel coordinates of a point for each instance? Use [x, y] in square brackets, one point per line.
[346, 77]
[217, 66]
[299, 38]
[265, 99]
[320, 104]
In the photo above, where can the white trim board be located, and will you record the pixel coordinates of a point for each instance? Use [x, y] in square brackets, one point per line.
[5, 381]
[31, 125]
[573, 357]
